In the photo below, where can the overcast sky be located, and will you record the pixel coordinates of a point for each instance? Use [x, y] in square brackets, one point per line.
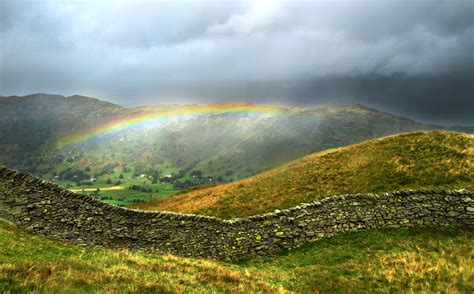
[411, 57]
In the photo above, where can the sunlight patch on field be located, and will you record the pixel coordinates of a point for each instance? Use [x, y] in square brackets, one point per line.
[114, 188]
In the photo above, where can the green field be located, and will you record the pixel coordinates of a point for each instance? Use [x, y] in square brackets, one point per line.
[233, 164]
[125, 195]
[58, 141]
[406, 260]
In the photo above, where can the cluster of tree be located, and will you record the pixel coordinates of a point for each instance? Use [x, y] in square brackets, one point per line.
[76, 175]
[140, 188]
[139, 169]
[74, 156]
[106, 198]
[196, 173]
[109, 181]
[183, 185]
[154, 176]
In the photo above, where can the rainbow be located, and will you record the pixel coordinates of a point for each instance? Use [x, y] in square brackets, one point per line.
[159, 116]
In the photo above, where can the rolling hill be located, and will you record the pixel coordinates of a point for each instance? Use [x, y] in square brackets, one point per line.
[154, 151]
[407, 260]
[420, 160]
[32, 123]
[415, 259]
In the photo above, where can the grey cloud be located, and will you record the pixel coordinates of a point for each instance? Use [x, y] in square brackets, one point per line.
[307, 52]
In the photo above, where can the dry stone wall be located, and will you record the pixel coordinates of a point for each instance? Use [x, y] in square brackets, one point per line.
[58, 213]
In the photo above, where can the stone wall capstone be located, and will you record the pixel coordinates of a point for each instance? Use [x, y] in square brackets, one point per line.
[61, 214]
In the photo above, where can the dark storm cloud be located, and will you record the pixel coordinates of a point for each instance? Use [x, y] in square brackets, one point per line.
[410, 57]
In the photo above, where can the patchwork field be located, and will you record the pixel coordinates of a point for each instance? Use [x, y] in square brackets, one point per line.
[84, 143]
[237, 146]
[190, 166]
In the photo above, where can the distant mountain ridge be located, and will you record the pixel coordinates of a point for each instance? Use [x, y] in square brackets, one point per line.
[30, 122]
[226, 144]
[54, 103]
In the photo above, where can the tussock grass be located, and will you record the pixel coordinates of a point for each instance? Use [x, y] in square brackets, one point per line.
[29, 262]
[420, 160]
[407, 260]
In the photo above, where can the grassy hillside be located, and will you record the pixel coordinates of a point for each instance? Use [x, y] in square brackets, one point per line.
[65, 140]
[388, 260]
[421, 160]
[31, 124]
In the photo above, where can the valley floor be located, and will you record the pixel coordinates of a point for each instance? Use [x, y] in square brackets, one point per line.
[417, 259]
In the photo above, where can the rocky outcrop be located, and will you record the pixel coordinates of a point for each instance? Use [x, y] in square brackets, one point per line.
[61, 214]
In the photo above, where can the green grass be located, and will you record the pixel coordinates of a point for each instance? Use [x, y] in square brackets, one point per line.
[434, 259]
[407, 260]
[229, 146]
[126, 196]
[395, 260]
[421, 160]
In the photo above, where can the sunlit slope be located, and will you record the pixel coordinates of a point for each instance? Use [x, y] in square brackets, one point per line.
[394, 260]
[421, 160]
[51, 135]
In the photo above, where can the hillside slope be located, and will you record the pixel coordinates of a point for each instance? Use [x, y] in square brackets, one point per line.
[227, 140]
[151, 152]
[31, 123]
[421, 160]
[407, 260]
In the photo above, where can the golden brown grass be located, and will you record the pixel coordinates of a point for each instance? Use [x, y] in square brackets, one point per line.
[406, 260]
[29, 262]
[421, 160]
